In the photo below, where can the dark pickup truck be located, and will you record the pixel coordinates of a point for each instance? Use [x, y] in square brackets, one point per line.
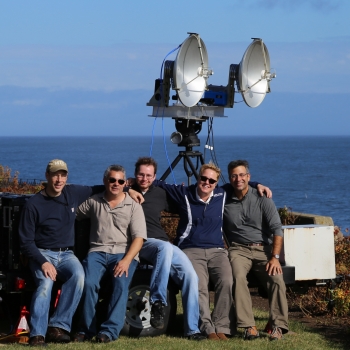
[17, 285]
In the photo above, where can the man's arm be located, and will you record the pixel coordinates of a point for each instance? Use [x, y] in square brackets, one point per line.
[273, 221]
[28, 246]
[136, 196]
[273, 267]
[138, 231]
[26, 231]
[123, 265]
[261, 189]
[83, 211]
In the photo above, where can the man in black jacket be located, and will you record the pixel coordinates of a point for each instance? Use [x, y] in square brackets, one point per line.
[167, 259]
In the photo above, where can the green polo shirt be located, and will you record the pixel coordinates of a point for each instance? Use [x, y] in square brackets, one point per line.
[113, 229]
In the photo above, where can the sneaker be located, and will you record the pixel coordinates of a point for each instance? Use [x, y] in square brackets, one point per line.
[157, 315]
[197, 337]
[37, 340]
[251, 333]
[57, 335]
[276, 334]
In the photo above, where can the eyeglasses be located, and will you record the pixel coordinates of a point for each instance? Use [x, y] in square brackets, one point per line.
[205, 179]
[147, 176]
[236, 176]
[112, 180]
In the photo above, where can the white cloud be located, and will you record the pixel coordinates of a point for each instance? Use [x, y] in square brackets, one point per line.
[25, 102]
[128, 67]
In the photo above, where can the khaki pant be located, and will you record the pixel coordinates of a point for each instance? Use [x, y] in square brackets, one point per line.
[243, 259]
[213, 264]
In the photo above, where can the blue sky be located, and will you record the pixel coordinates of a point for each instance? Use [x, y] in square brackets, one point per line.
[89, 66]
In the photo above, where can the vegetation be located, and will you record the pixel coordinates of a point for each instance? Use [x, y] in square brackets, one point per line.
[331, 302]
[299, 337]
[11, 183]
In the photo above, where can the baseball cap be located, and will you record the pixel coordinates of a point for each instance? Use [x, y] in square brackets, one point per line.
[56, 165]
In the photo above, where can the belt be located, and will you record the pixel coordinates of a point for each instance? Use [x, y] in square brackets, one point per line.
[250, 244]
[64, 249]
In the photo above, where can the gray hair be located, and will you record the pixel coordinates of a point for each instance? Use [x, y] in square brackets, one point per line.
[114, 167]
[237, 163]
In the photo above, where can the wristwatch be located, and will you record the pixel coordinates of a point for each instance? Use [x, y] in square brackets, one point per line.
[276, 256]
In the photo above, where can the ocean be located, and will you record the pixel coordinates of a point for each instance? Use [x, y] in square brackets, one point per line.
[307, 174]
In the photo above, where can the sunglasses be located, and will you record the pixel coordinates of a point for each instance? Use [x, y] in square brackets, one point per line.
[112, 180]
[204, 179]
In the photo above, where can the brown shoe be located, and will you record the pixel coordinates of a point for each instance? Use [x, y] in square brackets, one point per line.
[57, 335]
[213, 336]
[222, 336]
[79, 338]
[37, 340]
[251, 333]
[102, 338]
[276, 334]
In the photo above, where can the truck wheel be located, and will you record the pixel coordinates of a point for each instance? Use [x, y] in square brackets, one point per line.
[138, 310]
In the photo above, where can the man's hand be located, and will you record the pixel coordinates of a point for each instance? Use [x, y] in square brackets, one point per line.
[136, 196]
[121, 267]
[273, 267]
[49, 270]
[263, 189]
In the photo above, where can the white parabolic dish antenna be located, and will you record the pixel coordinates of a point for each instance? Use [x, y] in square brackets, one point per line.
[254, 73]
[191, 70]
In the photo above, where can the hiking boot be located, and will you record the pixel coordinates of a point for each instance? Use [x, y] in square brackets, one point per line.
[276, 334]
[251, 333]
[157, 315]
[222, 336]
[57, 335]
[197, 337]
[37, 340]
[213, 336]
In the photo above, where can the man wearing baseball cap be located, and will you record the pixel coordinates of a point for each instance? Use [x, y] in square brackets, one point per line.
[47, 238]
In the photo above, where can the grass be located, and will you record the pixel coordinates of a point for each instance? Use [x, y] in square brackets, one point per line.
[299, 338]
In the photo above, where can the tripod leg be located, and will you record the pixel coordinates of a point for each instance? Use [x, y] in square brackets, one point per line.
[188, 161]
[173, 165]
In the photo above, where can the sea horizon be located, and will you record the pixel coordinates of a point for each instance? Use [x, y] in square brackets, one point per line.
[308, 174]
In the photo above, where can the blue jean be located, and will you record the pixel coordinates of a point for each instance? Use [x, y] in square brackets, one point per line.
[169, 260]
[95, 265]
[70, 271]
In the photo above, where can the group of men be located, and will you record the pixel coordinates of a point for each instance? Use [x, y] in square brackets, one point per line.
[223, 233]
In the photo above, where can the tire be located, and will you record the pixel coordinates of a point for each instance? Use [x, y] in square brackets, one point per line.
[138, 311]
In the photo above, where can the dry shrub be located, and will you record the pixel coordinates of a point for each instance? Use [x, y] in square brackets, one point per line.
[9, 183]
[169, 223]
[333, 300]
[287, 216]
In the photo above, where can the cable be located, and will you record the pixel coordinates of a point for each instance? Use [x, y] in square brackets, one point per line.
[210, 146]
[166, 153]
[155, 120]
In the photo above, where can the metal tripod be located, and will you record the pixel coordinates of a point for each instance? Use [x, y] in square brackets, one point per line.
[186, 156]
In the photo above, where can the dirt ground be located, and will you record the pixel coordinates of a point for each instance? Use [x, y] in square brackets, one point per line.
[334, 329]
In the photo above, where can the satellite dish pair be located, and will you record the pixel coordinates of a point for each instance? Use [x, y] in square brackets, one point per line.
[188, 75]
